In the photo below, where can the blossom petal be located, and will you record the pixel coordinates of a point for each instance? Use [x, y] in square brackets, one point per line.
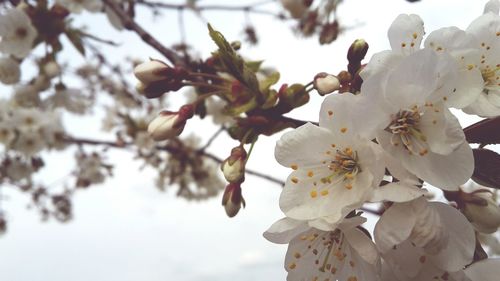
[443, 171]
[284, 230]
[461, 244]
[397, 192]
[394, 226]
[485, 270]
[442, 129]
[304, 146]
[405, 33]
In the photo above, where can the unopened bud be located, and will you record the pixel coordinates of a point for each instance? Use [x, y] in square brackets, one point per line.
[483, 213]
[357, 51]
[296, 8]
[151, 71]
[51, 69]
[232, 200]
[329, 33]
[166, 126]
[233, 167]
[326, 83]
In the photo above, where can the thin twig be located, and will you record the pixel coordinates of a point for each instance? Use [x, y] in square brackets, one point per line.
[244, 8]
[212, 138]
[83, 141]
[131, 25]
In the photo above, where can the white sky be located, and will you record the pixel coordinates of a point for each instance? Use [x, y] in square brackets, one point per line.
[127, 230]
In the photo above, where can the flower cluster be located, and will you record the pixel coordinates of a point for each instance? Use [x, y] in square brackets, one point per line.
[385, 144]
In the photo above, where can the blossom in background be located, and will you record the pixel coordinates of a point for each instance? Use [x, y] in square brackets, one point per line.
[419, 240]
[10, 72]
[17, 33]
[77, 6]
[343, 253]
[70, 99]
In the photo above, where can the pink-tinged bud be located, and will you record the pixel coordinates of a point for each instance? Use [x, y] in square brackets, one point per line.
[483, 212]
[151, 71]
[233, 167]
[166, 126]
[326, 83]
[232, 200]
[296, 8]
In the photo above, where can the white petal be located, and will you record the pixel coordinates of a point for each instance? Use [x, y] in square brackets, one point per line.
[443, 171]
[485, 270]
[397, 192]
[284, 230]
[405, 33]
[394, 226]
[482, 107]
[442, 129]
[448, 39]
[417, 79]
[492, 6]
[381, 63]
[304, 146]
[363, 245]
[461, 243]
[307, 197]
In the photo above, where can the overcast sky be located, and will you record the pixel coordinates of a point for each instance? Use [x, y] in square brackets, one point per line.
[127, 230]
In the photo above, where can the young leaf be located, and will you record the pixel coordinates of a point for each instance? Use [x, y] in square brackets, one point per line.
[233, 63]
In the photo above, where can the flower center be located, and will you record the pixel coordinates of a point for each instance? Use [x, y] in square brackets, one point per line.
[490, 77]
[404, 129]
[21, 32]
[344, 167]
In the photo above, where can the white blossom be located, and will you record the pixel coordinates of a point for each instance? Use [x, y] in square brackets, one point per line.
[17, 33]
[486, 32]
[10, 72]
[404, 110]
[343, 253]
[419, 240]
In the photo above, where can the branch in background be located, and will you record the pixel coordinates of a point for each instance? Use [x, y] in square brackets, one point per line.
[250, 8]
[131, 25]
[170, 149]
[80, 141]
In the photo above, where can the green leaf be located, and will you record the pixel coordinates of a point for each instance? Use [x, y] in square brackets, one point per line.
[270, 80]
[233, 63]
[75, 38]
[254, 66]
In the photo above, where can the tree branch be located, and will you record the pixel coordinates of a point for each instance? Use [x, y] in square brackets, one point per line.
[170, 149]
[242, 8]
[131, 25]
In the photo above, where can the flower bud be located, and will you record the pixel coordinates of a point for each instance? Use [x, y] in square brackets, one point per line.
[296, 8]
[233, 167]
[151, 71]
[232, 200]
[51, 69]
[326, 83]
[483, 212]
[169, 124]
[329, 33]
[357, 51]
